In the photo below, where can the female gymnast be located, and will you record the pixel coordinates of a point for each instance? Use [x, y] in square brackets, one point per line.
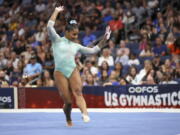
[66, 75]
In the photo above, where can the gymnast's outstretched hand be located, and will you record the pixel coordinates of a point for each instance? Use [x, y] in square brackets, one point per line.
[105, 38]
[59, 9]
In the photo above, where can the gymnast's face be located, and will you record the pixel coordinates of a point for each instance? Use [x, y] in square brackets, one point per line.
[73, 34]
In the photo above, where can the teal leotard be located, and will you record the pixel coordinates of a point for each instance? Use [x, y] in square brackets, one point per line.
[64, 51]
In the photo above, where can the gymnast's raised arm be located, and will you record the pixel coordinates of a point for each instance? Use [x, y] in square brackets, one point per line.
[50, 26]
[101, 44]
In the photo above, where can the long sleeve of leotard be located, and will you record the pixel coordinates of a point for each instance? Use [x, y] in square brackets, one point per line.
[51, 31]
[87, 50]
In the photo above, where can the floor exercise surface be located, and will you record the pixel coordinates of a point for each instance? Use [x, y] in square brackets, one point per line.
[126, 123]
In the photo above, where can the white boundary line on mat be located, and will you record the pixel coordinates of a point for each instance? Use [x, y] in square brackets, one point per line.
[107, 110]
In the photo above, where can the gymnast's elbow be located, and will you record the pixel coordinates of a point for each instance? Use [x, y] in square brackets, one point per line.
[50, 24]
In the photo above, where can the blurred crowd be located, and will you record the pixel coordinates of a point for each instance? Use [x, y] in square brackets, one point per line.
[144, 47]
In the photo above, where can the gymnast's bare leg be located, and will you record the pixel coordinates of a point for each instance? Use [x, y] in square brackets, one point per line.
[64, 91]
[76, 87]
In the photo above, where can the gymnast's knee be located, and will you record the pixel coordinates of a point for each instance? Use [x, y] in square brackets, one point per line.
[77, 92]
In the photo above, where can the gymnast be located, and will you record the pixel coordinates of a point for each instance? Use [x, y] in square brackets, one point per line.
[66, 75]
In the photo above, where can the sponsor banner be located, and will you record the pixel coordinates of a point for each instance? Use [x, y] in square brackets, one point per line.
[155, 96]
[7, 98]
[146, 96]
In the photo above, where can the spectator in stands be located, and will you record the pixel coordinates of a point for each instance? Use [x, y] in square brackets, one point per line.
[3, 61]
[14, 59]
[40, 6]
[18, 47]
[4, 79]
[27, 53]
[122, 81]
[167, 79]
[89, 37]
[40, 35]
[177, 70]
[149, 78]
[104, 67]
[90, 81]
[139, 11]
[167, 67]
[24, 82]
[122, 53]
[103, 78]
[157, 20]
[107, 12]
[133, 60]
[141, 77]
[47, 80]
[158, 77]
[40, 53]
[153, 34]
[21, 66]
[92, 68]
[176, 29]
[159, 48]
[175, 49]
[170, 39]
[112, 48]
[3, 40]
[146, 52]
[106, 57]
[85, 72]
[129, 19]
[33, 69]
[39, 83]
[33, 42]
[163, 31]
[131, 74]
[113, 79]
[15, 84]
[122, 49]
[48, 64]
[9, 68]
[122, 58]
[118, 68]
[143, 43]
[15, 75]
[157, 63]
[99, 5]
[170, 21]
[116, 25]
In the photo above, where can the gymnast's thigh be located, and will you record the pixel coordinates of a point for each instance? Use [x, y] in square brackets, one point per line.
[76, 82]
[63, 85]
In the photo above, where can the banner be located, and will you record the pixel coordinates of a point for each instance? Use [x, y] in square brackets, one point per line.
[132, 96]
[43, 97]
[155, 96]
[7, 98]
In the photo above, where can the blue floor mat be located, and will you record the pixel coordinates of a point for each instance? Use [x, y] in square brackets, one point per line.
[146, 123]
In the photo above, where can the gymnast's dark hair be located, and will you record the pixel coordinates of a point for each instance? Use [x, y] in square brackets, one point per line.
[72, 24]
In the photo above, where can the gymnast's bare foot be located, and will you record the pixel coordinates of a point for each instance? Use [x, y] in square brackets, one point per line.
[69, 123]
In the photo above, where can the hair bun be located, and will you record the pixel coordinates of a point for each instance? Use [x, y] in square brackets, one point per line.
[72, 22]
